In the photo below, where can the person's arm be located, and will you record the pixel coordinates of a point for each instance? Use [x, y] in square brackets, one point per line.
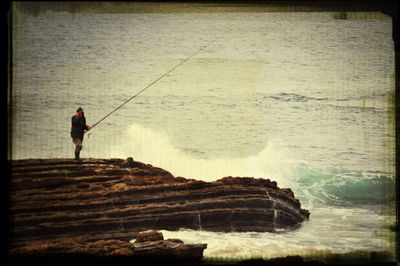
[87, 128]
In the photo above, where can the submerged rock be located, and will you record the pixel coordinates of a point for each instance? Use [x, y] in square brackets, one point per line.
[101, 199]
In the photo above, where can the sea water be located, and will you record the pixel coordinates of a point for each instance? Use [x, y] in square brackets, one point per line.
[304, 99]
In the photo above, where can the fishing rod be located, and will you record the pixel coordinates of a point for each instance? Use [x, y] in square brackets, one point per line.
[153, 82]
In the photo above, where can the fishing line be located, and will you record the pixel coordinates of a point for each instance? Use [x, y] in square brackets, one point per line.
[153, 82]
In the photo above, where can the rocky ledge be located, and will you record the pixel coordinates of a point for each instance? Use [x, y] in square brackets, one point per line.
[148, 244]
[115, 199]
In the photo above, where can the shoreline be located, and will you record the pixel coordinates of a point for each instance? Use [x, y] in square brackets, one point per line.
[118, 177]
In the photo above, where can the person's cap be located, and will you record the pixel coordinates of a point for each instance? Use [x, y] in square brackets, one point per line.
[80, 109]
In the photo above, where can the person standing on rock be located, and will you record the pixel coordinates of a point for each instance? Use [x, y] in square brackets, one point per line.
[78, 129]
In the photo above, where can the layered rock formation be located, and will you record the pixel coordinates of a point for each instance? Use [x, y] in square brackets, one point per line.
[101, 199]
[148, 244]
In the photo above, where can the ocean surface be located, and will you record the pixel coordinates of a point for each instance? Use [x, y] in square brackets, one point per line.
[300, 98]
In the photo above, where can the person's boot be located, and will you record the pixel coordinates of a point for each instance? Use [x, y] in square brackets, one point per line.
[77, 155]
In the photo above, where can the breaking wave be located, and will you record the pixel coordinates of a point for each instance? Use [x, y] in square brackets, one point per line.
[313, 185]
[341, 187]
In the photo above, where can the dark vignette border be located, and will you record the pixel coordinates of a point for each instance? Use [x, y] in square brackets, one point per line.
[389, 7]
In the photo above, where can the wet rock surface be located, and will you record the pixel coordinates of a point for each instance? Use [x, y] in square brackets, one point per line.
[115, 199]
[150, 245]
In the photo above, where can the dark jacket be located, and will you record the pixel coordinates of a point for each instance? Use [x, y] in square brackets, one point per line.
[78, 127]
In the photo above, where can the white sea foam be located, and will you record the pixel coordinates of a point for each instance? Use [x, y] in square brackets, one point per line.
[330, 230]
[146, 145]
[312, 184]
